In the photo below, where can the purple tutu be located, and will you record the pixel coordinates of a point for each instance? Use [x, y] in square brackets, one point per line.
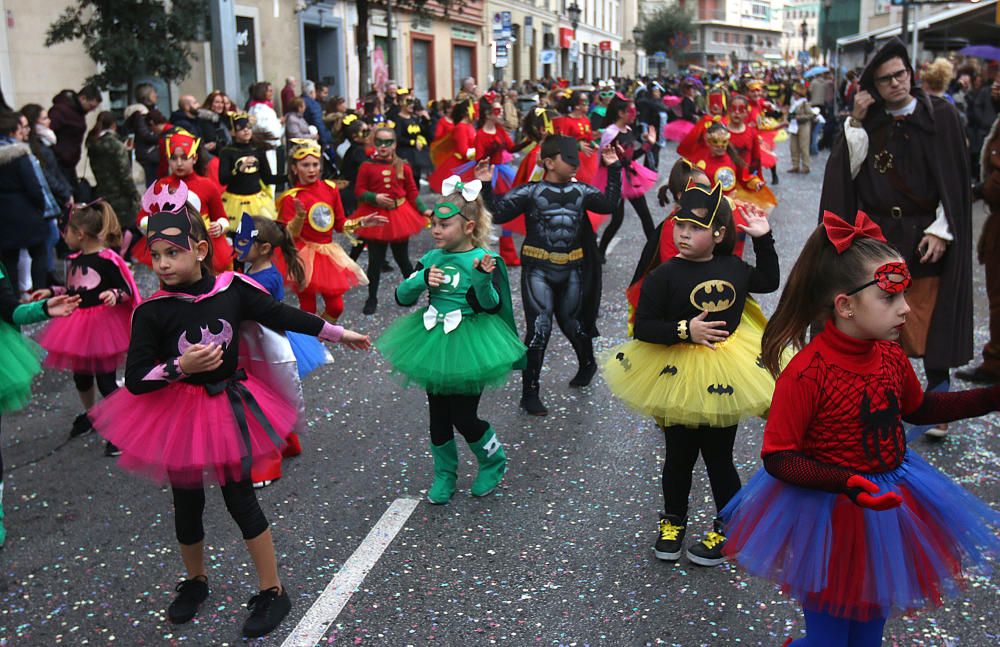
[182, 433]
[90, 341]
[838, 558]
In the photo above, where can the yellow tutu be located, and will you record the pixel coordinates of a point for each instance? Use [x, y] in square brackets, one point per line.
[256, 204]
[693, 385]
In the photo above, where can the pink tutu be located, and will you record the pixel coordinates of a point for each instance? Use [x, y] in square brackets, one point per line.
[637, 180]
[90, 341]
[181, 434]
[677, 130]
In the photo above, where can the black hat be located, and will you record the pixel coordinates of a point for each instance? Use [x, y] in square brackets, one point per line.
[561, 145]
[895, 48]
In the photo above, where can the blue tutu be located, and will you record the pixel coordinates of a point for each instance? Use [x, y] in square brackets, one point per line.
[838, 558]
[310, 353]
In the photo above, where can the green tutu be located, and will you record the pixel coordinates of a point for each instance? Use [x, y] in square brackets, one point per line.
[477, 355]
[19, 364]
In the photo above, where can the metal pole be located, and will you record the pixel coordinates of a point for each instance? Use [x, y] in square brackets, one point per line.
[905, 26]
[388, 39]
[916, 32]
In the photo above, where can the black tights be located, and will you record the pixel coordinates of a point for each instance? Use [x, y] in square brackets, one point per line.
[106, 383]
[189, 505]
[935, 376]
[460, 412]
[376, 257]
[683, 444]
[618, 216]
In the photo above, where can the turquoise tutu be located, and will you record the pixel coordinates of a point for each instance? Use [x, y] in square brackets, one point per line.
[19, 364]
[478, 354]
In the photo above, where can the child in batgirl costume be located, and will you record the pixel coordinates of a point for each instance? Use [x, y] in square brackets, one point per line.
[463, 342]
[312, 211]
[245, 172]
[202, 193]
[694, 363]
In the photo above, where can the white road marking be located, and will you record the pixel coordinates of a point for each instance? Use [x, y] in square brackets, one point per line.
[313, 625]
[614, 243]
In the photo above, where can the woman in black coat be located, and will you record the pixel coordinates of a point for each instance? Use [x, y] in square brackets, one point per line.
[22, 202]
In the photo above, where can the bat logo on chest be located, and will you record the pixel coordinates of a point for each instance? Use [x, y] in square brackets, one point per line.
[82, 279]
[222, 338]
[714, 295]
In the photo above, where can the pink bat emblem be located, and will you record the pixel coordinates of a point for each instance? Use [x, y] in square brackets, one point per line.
[82, 279]
[222, 338]
[159, 197]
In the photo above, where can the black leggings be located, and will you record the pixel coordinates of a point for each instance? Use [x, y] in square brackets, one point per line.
[455, 411]
[683, 445]
[618, 216]
[189, 505]
[106, 383]
[376, 257]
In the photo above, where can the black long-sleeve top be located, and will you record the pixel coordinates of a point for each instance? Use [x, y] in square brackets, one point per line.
[89, 275]
[163, 327]
[255, 169]
[679, 290]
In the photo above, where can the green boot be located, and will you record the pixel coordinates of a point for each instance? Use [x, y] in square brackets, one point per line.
[492, 463]
[445, 472]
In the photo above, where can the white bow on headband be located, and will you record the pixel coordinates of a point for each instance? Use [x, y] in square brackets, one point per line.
[470, 190]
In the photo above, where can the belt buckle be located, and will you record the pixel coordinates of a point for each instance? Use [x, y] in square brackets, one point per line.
[559, 258]
[896, 213]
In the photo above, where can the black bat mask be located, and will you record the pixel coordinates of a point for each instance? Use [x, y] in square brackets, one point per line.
[171, 226]
[700, 198]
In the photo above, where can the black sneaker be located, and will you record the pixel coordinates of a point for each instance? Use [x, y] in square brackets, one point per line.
[190, 595]
[371, 305]
[670, 540]
[81, 425]
[584, 375]
[110, 450]
[267, 610]
[708, 551]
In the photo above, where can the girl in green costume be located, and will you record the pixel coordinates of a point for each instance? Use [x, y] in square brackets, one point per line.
[464, 341]
[19, 359]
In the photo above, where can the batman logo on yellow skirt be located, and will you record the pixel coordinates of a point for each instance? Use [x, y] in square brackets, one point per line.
[720, 389]
[714, 295]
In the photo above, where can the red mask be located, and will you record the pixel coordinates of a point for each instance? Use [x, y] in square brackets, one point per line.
[891, 278]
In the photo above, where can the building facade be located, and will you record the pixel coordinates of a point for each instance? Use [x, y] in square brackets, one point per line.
[734, 33]
[800, 31]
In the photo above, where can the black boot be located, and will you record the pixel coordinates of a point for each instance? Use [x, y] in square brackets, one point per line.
[584, 347]
[530, 401]
[774, 175]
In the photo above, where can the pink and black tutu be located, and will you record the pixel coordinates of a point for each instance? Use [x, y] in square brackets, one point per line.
[838, 558]
[207, 441]
[637, 180]
[90, 341]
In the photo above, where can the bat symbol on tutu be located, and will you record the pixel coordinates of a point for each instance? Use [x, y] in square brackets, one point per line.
[626, 364]
[222, 338]
[669, 369]
[82, 279]
[720, 389]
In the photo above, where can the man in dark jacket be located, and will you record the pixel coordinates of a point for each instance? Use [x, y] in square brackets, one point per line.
[186, 115]
[904, 162]
[314, 113]
[69, 122]
[139, 121]
[22, 202]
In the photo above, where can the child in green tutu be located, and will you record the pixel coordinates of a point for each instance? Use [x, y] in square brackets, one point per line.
[464, 341]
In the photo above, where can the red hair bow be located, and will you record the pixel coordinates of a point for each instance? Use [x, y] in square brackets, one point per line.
[842, 234]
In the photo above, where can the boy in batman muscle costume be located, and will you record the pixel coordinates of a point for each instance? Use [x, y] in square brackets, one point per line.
[561, 268]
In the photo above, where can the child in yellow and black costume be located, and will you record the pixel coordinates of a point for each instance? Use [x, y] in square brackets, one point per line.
[245, 172]
[694, 365]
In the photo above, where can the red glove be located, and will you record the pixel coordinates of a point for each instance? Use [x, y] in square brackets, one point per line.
[861, 490]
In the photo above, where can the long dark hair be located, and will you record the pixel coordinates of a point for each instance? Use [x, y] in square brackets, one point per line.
[33, 112]
[460, 111]
[618, 103]
[105, 120]
[818, 276]
[275, 234]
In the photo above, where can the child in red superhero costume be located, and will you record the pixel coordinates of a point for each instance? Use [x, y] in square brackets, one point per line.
[455, 152]
[575, 123]
[182, 148]
[845, 518]
[385, 189]
[312, 211]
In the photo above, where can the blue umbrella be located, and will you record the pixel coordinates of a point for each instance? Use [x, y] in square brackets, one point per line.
[814, 71]
[989, 52]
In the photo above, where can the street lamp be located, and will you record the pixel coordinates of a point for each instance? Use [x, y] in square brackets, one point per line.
[804, 30]
[574, 11]
[636, 39]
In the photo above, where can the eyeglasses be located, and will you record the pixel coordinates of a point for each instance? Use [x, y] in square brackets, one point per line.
[898, 76]
[384, 143]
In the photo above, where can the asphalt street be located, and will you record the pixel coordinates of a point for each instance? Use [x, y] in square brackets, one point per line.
[561, 554]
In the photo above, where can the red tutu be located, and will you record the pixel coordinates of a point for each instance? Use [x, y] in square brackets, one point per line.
[328, 268]
[181, 434]
[90, 341]
[404, 222]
